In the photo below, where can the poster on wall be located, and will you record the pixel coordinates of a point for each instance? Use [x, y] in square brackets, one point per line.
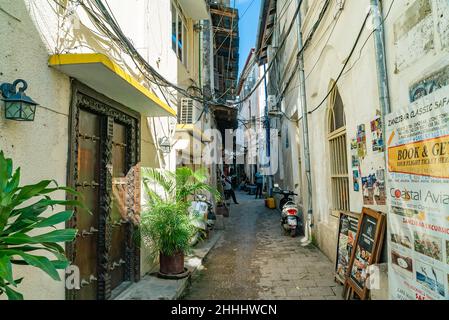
[368, 190]
[377, 135]
[355, 165]
[373, 186]
[361, 141]
[355, 179]
[347, 232]
[354, 154]
[428, 85]
[418, 202]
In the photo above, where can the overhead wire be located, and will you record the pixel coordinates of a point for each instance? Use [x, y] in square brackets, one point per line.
[290, 79]
[369, 36]
[344, 65]
[270, 65]
[350, 54]
[282, 12]
[135, 55]
[348, 59]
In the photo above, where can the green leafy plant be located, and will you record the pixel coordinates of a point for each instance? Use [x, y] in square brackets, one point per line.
[165, 223]
[24, 234]
[177, 186]
[167, 228]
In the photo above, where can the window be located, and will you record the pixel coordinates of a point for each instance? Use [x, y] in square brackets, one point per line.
[179, 34]
[338, 154]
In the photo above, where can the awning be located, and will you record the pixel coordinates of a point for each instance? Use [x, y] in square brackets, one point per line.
[195, 9]
[103, 75]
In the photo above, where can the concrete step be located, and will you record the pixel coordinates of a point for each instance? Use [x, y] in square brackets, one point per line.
[150, 287]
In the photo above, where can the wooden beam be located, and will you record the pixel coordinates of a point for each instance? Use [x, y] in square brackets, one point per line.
[225, 30]
[223, 13]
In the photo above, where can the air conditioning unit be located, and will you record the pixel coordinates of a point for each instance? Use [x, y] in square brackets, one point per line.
[272, 103]
[186, 111]
[273, 109]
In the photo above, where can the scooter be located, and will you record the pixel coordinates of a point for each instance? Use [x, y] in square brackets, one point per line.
[202, 216]
[291, 218]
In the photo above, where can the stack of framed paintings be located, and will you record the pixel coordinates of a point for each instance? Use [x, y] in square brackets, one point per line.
[363, 250]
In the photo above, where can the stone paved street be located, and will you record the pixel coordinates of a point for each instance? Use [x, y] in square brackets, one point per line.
[255, 260]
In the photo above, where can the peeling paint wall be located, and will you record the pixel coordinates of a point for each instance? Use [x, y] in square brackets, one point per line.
[417, 44]
[413, 34]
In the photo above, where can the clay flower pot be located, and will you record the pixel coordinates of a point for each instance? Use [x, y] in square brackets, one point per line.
[171, 265]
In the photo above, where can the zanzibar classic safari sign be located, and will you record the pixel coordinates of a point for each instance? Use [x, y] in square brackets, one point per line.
[418, 202]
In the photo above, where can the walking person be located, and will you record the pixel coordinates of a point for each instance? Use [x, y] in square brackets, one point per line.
[227, 184]
[259, 184]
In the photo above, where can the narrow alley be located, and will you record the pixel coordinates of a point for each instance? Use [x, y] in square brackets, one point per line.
[255, 260]
[126, 127]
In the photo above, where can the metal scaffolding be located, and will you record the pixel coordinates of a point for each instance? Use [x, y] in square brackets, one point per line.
[226, 47]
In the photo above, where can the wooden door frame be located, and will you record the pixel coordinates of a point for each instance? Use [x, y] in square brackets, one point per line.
[88, 99]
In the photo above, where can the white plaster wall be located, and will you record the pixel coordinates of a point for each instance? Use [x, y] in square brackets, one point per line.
[254, 106]
[41, 144]
[150, 31]
[33, 30]
[358, 90]
[289, 171]
[357, 87]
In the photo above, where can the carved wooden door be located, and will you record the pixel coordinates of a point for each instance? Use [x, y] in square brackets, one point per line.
[105, 173]
[120, 190]
[87, 184]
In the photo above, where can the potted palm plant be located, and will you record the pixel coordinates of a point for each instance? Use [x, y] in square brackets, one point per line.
[165, 223]
[24, 228]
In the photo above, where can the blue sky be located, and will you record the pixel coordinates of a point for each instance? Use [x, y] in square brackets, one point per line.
[248, 25]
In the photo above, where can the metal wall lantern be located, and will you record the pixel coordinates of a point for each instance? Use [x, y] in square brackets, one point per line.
[18, 106]
[164, 145]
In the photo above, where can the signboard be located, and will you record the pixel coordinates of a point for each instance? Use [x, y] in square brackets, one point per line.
[418, 198]
[347, 232]
[366, 250]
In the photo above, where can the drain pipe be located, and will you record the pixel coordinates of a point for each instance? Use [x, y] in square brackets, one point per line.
[381, 66]
[305, 127]
[381, 63]
[267, 180]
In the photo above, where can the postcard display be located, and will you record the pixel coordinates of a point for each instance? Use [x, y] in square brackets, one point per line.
[365, 252]
[347, 233]
[418, 201]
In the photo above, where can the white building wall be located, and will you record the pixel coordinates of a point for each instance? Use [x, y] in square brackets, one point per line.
[31, 31]
[40, 144]
[324, 59]
[358, 90]
[417, 46]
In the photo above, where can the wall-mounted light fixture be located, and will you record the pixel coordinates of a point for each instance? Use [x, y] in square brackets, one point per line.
[164, 144]
[18, 106]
